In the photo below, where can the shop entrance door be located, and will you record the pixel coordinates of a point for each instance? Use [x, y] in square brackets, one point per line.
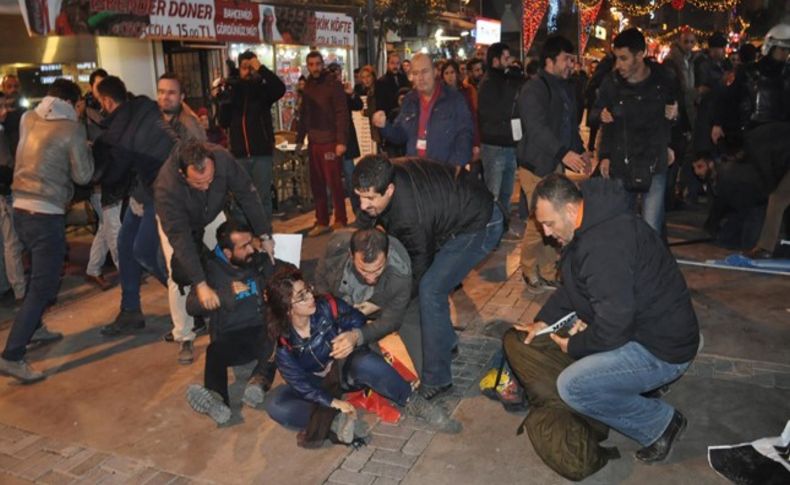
[197, 68]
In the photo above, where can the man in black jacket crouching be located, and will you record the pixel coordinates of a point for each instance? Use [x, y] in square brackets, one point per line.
[636, 330]
[238, 271]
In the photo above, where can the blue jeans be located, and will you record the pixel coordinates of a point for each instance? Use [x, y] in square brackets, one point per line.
[499, 171]
[363, 369]
[450, 266]
[44, 235]
[607, 387]
[653, 202]
[138, 251]
[260, 169]
[348, 171]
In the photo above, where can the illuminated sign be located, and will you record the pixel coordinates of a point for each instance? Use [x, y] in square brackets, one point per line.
[488, 31]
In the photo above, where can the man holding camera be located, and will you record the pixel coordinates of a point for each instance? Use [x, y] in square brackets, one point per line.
[245, 110]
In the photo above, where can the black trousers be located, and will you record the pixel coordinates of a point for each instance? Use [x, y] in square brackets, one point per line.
[238, 348]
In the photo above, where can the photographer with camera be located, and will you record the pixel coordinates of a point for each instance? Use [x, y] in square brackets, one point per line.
[245, 105]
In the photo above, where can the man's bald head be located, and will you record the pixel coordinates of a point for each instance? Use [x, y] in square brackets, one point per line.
[423, 74]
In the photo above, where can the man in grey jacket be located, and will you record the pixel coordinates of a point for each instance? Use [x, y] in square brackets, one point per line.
[51, 157]
[372, 271]
[547, 108]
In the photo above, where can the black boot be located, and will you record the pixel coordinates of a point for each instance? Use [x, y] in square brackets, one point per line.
[659, 451]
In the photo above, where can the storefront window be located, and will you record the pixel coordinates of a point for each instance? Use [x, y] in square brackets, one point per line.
[35, 79]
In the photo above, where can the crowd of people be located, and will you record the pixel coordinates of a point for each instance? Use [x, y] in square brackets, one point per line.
[197, 216]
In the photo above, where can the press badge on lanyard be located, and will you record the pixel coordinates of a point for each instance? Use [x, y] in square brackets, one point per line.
[422, 144]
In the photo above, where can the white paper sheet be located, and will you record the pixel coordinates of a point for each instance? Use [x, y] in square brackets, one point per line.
[288, 247]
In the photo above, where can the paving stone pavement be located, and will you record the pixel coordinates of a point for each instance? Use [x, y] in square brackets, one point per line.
[395, 448]
[30, 458]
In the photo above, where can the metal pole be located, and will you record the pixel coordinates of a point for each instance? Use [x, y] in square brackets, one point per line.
[711, 265]
[371, 37]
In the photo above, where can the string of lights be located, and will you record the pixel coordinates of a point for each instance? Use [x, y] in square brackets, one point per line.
[534, 10]
[587, 16]
[644, 8]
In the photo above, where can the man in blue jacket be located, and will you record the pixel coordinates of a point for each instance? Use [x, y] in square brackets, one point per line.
[434, 121]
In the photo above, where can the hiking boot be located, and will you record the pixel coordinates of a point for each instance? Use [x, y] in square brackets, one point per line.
[361, 429]
[432, 413]
[432, 392]
[44, 336]
[318, 230]
[659, 451]
[208, 402]
[186, 354]
[343, 426]
[537, 285]
[336, 226]
[21, 371]
[254, 392]
[127, 322]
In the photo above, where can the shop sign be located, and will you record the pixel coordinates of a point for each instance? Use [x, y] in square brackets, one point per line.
[488, 31]
[237, 22]
[289, 25]
[180, 19]
[210, 20]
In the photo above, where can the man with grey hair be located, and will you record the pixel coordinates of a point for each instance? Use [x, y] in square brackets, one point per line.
[434, 121]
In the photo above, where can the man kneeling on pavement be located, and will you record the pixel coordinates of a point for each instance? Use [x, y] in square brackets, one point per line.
[372, 271]
[636, 332]
[238, 271]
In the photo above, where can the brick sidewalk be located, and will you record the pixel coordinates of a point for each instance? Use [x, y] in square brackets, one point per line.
[394, 449]
[30, 458]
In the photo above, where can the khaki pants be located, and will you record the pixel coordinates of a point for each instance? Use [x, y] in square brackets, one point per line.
[183, 323]
[537, 258]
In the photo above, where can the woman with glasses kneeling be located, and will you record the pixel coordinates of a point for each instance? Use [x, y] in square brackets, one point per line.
[318, 367]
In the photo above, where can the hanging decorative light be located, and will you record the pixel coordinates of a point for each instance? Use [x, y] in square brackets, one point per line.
[533, 12]
[587, 16]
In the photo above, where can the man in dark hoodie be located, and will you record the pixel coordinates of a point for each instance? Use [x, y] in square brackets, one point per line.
[635, 329]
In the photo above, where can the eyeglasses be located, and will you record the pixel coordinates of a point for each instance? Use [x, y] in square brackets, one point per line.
[304, 295]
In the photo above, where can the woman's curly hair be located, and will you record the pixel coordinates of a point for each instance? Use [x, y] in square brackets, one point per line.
[279, 293]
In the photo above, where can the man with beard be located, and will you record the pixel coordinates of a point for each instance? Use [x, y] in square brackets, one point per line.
[190, 192]
[635, 331]
[170, 98]
[238, 271]
[246, 114]
[372, 271]
[324, 118]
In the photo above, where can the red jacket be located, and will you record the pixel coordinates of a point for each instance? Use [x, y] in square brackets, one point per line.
[323, 114]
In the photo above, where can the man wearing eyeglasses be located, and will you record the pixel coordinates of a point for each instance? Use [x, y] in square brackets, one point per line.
[372, 271]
